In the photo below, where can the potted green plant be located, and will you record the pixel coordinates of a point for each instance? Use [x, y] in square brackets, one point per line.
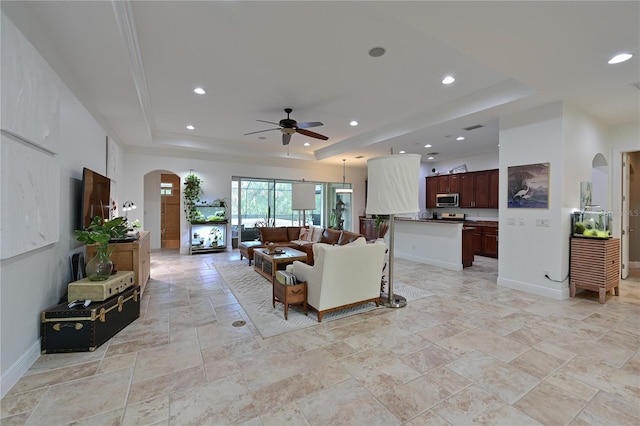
[192, 192]
[382, 224]
[100, 232]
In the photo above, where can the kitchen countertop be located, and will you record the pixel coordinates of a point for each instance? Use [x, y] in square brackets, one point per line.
[409, 219]
[493, 223]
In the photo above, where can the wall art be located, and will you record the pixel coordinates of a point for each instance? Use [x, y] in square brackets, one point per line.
[528, 186]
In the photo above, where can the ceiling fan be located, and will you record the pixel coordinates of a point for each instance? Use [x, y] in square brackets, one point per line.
[289, 126]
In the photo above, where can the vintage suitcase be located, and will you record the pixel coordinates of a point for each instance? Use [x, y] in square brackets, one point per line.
[79, 329]
[97, 291]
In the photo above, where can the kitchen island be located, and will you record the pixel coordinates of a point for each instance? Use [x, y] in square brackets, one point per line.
[448, 244]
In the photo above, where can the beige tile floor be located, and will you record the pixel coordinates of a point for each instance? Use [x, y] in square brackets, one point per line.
[472, 353]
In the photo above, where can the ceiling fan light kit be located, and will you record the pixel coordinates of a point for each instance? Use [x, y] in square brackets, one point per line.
[289, 126]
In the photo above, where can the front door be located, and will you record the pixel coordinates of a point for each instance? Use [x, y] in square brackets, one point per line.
[169, 211]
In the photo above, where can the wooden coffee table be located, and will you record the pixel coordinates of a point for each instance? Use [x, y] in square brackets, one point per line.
[267, 264]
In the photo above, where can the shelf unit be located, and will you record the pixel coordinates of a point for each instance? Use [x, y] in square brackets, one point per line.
[210, 234]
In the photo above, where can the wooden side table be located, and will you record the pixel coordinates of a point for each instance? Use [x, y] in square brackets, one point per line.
[289, 295]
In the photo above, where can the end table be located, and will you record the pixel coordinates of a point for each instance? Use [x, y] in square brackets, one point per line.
[295, 294]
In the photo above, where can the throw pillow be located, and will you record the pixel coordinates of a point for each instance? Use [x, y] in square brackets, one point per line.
[330, 236]
[317, 234]
[305, 234]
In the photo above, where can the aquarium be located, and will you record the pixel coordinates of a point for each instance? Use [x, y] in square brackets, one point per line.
[592, 224]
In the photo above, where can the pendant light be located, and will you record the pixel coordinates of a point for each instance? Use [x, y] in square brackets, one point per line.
[344, 189]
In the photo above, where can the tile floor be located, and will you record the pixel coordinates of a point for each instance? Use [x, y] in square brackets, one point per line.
[472, 353]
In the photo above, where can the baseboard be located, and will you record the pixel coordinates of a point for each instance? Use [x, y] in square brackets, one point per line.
[634, 265]
[554, 293]
[445, 265]
[19, 368]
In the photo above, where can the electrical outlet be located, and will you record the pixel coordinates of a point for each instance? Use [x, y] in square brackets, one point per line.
[521, 222]
[413, 246]
[511, 221]
[545, 223]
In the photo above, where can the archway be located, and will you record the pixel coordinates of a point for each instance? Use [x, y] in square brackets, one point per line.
[162, 208]
[600, 181]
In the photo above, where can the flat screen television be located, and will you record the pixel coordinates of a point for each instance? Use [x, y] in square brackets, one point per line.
[96, 196]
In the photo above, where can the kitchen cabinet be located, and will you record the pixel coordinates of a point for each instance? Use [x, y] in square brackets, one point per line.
[476, 189]
[447, 184]
[432, 190]
[485, 239]
[494, 177]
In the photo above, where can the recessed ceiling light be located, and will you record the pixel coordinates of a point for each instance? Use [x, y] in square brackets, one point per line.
[448, 80]
[621, 57]
[403, 152]
[460, 138]
[353, 123]
[190, 127]
[376, 52]
[428, 145]
[430, 158]
[199, 90]
[307, 144]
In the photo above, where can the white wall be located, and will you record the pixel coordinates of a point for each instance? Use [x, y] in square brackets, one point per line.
[568, 140]
[35, 280]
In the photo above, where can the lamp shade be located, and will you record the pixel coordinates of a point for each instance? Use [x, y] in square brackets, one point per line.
[303, 196]
[393, 184]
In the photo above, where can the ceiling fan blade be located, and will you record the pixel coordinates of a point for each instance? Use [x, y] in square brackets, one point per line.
[270, 122]
[312, 134]
[308, 124]
[260, 131]
[286, 137]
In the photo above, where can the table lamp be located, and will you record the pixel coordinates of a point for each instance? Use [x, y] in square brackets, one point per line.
[392, 188]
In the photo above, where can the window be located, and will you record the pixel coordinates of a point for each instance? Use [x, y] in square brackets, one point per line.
[166, 188]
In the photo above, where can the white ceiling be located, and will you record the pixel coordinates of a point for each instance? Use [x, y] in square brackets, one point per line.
[134, 65]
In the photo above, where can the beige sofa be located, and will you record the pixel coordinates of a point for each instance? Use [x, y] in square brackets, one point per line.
[342, 276]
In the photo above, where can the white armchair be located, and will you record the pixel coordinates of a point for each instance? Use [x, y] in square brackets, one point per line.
[342, 276]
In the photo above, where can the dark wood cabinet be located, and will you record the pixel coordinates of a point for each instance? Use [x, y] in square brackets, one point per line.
[490, 241]
[467, 247]
[447, 184]
[476, 189]
[432, 190]
[485, 240]
[467, 189]
[494, 177]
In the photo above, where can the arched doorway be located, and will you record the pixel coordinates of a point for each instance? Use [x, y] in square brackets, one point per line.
[169, 210]
[162, 208]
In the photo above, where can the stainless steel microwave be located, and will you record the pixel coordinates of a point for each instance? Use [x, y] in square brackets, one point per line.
[447, 200]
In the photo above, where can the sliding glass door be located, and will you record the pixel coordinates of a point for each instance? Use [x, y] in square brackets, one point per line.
[264, 202]
[257, 202]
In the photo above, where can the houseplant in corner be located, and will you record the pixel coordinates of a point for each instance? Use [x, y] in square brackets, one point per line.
[99, 232]
[192, 192]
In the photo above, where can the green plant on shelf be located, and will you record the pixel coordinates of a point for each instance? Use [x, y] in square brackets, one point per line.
[192, 192]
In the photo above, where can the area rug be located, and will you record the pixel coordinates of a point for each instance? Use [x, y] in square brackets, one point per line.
[253, 292]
